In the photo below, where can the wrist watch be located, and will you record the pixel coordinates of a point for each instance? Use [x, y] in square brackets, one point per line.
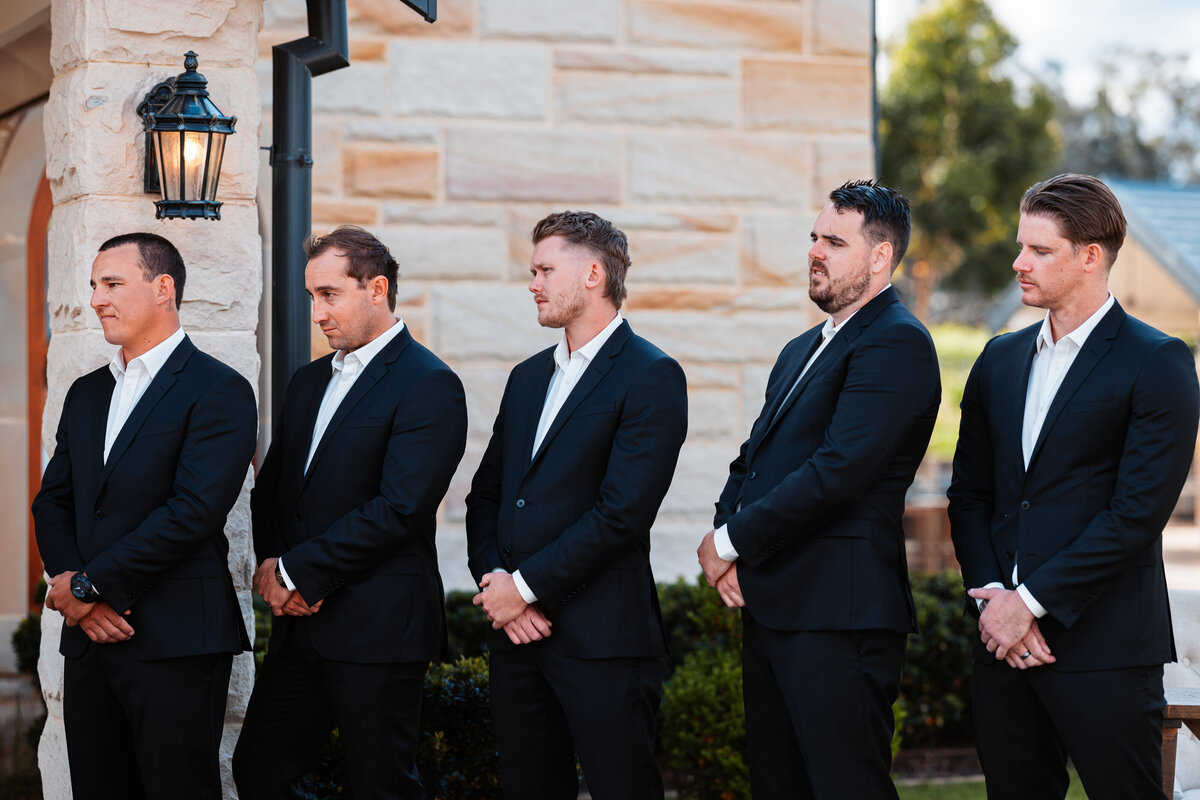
[279, 576]
[81, 587]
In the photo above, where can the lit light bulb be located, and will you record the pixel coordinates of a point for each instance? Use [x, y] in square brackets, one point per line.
[191, 152]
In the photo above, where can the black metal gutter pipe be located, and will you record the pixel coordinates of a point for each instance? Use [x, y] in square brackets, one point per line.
[326, 48]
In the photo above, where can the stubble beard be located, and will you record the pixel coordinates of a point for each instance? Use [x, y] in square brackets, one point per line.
[840, 293]
[570, 307]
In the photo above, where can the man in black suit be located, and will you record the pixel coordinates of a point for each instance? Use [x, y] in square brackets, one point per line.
[807, 537]
[345, 510]
[1077, 434]
[558, 528]
[152, 450]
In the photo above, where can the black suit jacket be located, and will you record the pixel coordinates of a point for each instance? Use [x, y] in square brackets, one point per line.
[575, 516]
[357, 530]
[1085, 520]
[148, 524]
[815, 499]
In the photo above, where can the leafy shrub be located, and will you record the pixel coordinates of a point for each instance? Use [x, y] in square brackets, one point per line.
[936, 686]
[467, 625]
[703, 731]
[457, 757]
[696, 620]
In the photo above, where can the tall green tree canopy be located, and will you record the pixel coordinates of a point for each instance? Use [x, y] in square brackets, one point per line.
[960, 139]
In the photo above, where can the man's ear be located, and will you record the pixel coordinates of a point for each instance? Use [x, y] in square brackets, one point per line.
[595, 275]
[164, 290]
[881, 256]
[379, 289]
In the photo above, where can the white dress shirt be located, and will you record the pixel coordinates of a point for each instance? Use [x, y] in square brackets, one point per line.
[346, 369]
[568, 369]
[1051, 362]
[725, 549]
[132, 380]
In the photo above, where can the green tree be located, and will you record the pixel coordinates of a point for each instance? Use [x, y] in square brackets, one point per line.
[960, 139]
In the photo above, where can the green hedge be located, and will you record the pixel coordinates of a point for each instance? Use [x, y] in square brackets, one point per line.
[936, 687]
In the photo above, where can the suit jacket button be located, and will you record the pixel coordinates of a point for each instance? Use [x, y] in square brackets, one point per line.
[1008, 553]
[1024, 505]
[99, 514]
[521, 502]
[752, 475]
[507, 552]
[299, 515]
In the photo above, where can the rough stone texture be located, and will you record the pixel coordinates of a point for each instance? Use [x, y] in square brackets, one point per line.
[609, 99]
[679, 258]
[775, 249]
[802, 96]
[388, 172]
[647, 62]
[106, 55]
[566, 167]
[440, 254]
[842, 27]
[503, 323]
[357, 89]
[464, 80]
[551, 20]
[837, 161]
[717, 25]
[717, 170]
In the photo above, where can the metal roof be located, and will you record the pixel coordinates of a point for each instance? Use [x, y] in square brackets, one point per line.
[1165, 219]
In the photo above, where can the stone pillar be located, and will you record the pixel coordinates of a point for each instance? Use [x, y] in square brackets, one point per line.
[106, 55]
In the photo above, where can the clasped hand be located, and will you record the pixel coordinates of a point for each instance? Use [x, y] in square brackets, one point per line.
[1009, 630]
[98, 620]
[506, 608]
[282, 600]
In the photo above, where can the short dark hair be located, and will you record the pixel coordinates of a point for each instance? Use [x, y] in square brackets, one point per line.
[158, 257]
[1085, 209]
[885, 214]
[368, 257]
[598, 235]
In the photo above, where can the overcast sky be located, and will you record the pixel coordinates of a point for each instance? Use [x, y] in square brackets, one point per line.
[1075, 33]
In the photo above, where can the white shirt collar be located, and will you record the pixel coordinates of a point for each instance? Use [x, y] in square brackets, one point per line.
[563, 357]
[1077, 337]
[369, 350]
[153, 359]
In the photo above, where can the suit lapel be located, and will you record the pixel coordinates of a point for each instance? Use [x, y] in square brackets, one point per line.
[595, 372]
[374, 372]
[158, 387]
[1094, 349]
[1015, 393]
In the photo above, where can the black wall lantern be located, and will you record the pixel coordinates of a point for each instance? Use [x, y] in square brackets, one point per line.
[185, 141]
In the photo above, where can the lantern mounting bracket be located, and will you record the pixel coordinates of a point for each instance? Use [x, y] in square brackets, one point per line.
[153, 102]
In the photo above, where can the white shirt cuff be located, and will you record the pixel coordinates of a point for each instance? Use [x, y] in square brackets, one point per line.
[725, 549]
[992, 585]
[1034, 605]
[282, 571]
[526, 593]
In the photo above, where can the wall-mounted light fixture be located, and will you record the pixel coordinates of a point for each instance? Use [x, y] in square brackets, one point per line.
[185, 141]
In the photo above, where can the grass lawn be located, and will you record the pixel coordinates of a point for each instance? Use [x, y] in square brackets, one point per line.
[972, 790]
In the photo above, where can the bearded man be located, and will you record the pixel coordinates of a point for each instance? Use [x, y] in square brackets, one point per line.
[807, 538]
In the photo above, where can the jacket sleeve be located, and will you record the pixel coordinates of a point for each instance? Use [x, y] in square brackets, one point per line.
[972, 487]
[483, 501]
[54, 505]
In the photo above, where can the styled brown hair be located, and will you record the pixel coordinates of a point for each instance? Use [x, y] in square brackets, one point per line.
[601, 237]
[158, 257]
[1085, 209]
[368, 257]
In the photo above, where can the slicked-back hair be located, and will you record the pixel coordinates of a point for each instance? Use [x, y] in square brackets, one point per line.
[885, 214]
[1085, 209]
[157, 256]
[598, 235]
[367, 257]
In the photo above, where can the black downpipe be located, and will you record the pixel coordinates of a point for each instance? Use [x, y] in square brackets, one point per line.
[326, 48]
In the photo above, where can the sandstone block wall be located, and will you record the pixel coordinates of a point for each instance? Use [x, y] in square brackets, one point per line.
[710, 131]
[106, 55]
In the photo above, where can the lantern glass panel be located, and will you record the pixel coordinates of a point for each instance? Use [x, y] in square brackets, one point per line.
[166, 147]
[214, 165]
[195, 153]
